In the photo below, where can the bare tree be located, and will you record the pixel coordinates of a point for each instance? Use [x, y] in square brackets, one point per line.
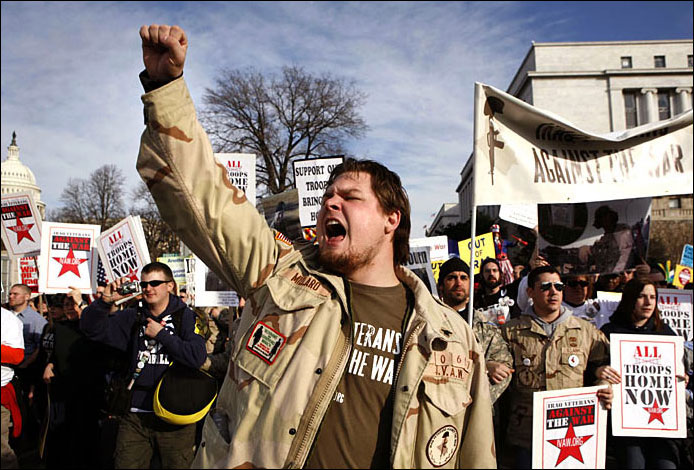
[160, 238]
[96, 200]
[281, 118]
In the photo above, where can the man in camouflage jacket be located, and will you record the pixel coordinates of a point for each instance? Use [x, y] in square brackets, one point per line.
[296, 333]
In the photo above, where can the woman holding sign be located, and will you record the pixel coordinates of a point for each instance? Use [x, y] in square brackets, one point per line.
[638, 313]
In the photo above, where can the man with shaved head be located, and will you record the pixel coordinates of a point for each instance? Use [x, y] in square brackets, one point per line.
[32, 321]
[343, 358]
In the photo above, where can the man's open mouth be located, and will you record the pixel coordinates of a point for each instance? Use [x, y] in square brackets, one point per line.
[334, 230]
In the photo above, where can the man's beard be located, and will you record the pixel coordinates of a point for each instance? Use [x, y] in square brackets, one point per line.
[346, 263]
[492, 284]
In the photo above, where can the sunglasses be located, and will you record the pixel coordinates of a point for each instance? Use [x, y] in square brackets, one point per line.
[578, 283]
[155, 283]
[545, 286]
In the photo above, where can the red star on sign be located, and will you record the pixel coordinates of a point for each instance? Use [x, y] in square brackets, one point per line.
[655, 412]
[22, 230]
[131, 275]
[569, 446]
[70, 263]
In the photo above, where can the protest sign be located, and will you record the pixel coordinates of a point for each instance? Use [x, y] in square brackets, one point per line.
[676, 310]
[178, 268]
[597, 237]
[210, 290]
[683, 276]
[68, 257]
[240, 168]
[523, 155]
[649, 401]
[281, 212]
[123, 250]
[521, 214]
[21, 225]
[419, 262]
[569, 429]
[687, 258]
[311, 179]
[484, 248]
[438, 251]
[29, 273]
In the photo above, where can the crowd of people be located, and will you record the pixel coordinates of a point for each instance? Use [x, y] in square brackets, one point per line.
[341, 357]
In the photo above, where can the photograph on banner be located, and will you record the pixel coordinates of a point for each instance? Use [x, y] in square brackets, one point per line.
[438, 251]
[683, 276]
[599, 310]
[519, 214]
[21, 225]
[311, 179]
[650, 400]
[240, 169]
[484, 248]
[419, 262]
[569, 429]
[69, 257]
[687, 256]
[123, 250]
[281, 212]
[29, 273]
[178, 268]
[524, 155]
[210, 290]
[596, 237]
[675, 308]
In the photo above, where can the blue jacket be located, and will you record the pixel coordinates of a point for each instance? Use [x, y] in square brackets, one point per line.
[184, 347]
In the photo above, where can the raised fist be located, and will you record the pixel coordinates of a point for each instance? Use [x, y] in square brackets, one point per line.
[164, 50]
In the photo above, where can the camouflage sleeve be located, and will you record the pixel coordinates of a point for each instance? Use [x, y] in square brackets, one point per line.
[497, 351]
[599, 356]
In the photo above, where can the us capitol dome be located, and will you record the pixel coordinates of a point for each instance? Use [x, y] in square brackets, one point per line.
[18, 178]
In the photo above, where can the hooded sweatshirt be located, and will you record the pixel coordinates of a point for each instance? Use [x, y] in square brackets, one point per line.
[184, 347]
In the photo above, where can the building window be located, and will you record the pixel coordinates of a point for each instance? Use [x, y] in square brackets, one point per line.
[630, 109]
[690, 61]
[659, 61]
[664, 108]
[674, 203]
[626, 62]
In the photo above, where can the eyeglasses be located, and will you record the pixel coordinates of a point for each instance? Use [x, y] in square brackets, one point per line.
[578, 283]
[545, 286]
[155, 283]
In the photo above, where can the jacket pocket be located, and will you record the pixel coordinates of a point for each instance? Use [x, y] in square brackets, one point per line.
[451, 396]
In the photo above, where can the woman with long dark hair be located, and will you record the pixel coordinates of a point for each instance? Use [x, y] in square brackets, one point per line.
[638, 313]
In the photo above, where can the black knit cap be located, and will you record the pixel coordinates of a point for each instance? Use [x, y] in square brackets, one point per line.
[453, 264]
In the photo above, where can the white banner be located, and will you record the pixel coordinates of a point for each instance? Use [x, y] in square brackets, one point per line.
[240, 169]
[311, 178]
[123, 249]
[676, 310]
[649, 401]
[524, 155]
[210, 290]
[68, 257]
[521, 214]
[569, 429]
[21, 225]
[419, 262]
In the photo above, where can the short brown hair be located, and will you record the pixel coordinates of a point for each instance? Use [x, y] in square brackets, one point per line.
[23, 287]
[391, 196]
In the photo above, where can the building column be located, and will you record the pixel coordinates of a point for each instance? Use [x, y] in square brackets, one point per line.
[651, 95]
[685, 98]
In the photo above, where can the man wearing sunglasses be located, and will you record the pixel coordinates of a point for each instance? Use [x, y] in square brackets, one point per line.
[155, 333]
[552, 350]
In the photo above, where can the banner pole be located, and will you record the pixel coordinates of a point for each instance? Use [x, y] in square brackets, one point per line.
[473, 222]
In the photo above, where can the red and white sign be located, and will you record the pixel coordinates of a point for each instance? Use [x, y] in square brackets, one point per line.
[650, 400]
[569, 429]
[29, 273]
[21, 225]
[676, 310]
[123, 249]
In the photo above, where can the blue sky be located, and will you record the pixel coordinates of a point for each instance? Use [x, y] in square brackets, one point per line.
[70, 88]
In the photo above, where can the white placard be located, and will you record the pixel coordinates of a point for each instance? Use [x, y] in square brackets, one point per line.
[420, 263]
[569, 429]
[178, 269]
[29, 273]
[123, 250]
[438, 251]
[68, 257]
[210, 290]
[240, 168]
[311, 177]
[649, 401]
[676, 310]
[21, 225]
[521, 214]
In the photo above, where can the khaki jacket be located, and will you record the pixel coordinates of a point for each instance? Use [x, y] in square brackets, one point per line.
[543, 363]
[269, 412]
[494, 348]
